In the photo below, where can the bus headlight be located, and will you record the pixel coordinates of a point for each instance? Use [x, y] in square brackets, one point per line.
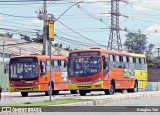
[71, 82]
[98, 80]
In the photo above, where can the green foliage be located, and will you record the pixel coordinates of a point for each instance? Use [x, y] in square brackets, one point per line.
[25, 37]
[9, 35]
[136, 43]
[53, 102]
[2, 35]
[39, 38]
[150, 61]
[153, 62]
[67, 48]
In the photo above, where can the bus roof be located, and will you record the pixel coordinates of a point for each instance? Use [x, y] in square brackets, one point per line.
[137, 55]
[110, 52]
[42, 56]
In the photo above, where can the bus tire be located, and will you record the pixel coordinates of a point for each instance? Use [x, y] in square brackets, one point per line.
[82, 92]
[47, 93]
[24, 94]
[135, 89]
[111, 90]
[55, 92]
[73, 92]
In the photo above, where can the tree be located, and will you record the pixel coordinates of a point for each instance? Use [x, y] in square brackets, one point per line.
[67, 48]
[2, 35]
[25, 37]
[135, 42]
[9, 35]
[38, 39]
[149, 51]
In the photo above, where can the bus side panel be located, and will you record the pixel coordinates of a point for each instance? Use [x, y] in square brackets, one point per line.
[59, 84]
[120, 81]
[43, 81]
[141, 76]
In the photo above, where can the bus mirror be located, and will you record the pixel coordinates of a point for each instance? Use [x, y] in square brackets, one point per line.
[42, 66]
[104, 62]
[5, 70]
[65, 63]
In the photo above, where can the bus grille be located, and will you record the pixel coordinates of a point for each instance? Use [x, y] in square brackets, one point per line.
[89, 86]
[23, 88]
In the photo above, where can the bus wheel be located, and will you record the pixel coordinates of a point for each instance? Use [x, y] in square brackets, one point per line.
[111, 90]
[55, 92]
[73, 91]
[46, 93]
[50, 89]
[82, 92]
[24, 94]
[135, 89]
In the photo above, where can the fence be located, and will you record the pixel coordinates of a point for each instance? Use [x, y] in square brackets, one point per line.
[4, 78]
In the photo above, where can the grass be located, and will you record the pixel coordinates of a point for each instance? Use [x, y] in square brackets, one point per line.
[53, 102]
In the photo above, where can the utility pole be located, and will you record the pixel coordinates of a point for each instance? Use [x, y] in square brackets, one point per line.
[45, 42]
[114, 42]
[48, 32]
[42, 15]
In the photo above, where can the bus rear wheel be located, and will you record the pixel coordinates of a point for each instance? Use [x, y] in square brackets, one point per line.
[50, 89]
[135, 89]
[82, 92]
[73, 91]
[111, 90]
[24, 94]
[55, 92]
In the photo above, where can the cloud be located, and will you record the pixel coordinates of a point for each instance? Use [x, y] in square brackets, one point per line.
[153, 30]
[144, 5]
[1, 17]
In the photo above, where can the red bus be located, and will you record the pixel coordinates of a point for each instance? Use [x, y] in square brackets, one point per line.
[104, 70]
[32, 74]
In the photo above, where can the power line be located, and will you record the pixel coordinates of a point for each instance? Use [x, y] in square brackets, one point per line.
[27, 0]
[79, 33]
[145, 6]
[16, 16]
[89, 14]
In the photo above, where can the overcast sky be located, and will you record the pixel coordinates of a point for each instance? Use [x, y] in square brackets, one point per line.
[90, 19]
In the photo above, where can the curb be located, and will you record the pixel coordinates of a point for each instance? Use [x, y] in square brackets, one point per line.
[114, 98]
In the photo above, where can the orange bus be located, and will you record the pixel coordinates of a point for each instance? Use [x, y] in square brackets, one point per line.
[103, 70]
[32, 74]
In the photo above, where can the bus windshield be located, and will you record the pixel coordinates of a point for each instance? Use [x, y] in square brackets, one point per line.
[24, 68]
[84, 66]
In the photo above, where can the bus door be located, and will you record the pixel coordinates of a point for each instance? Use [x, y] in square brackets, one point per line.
[59, 75]
[43, 79]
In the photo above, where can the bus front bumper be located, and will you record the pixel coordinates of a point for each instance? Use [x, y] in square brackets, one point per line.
[25, 89]
[94, 86]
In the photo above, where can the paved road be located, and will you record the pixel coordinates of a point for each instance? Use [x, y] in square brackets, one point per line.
[13, 98]
[127, 99]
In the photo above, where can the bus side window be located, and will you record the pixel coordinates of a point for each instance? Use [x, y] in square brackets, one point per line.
[143, 65]
[137, 63]
[131, 63]
[118, 61]
[63, 68]
[125, 62]
[56, 67]
[42, 67]
[111, 61]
